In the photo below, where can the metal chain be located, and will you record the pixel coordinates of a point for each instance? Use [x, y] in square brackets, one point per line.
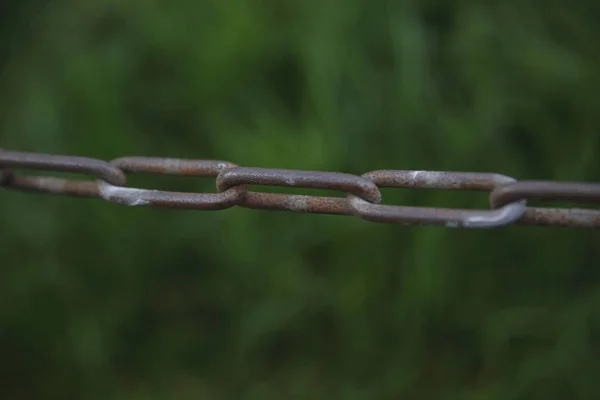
[508, 197]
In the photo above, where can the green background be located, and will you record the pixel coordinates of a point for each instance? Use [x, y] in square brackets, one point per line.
[102, 301]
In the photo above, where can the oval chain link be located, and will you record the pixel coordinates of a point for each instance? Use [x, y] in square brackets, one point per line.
[171, 166]
[452, 218]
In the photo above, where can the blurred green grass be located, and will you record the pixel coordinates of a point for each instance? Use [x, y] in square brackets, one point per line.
[104, 301]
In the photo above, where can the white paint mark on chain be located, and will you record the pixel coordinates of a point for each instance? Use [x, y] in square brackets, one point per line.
[290, 181]
[298, 204]
[414, 175]
[172, 166]
[425, 178]
[500, 217]
[123, 195]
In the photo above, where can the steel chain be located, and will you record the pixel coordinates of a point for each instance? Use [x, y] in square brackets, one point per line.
[508, 197]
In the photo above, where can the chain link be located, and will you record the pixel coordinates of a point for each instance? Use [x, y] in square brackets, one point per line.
[504, 215]
[169, 166]
[508, 197]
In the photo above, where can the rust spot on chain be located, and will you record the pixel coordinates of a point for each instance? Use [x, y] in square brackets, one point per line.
[571, 218]
[296, 203]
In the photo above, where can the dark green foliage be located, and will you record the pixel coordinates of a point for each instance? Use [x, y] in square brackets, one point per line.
[109, 302]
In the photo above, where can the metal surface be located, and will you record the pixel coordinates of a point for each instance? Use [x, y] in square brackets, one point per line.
[47, 162]
[170, 166]
[542, 190]
[452, 218]
[569, 217]
[360, 196]
[361, 187]
[552, 191]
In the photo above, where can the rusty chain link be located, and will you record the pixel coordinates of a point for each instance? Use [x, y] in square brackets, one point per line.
[508, 197]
